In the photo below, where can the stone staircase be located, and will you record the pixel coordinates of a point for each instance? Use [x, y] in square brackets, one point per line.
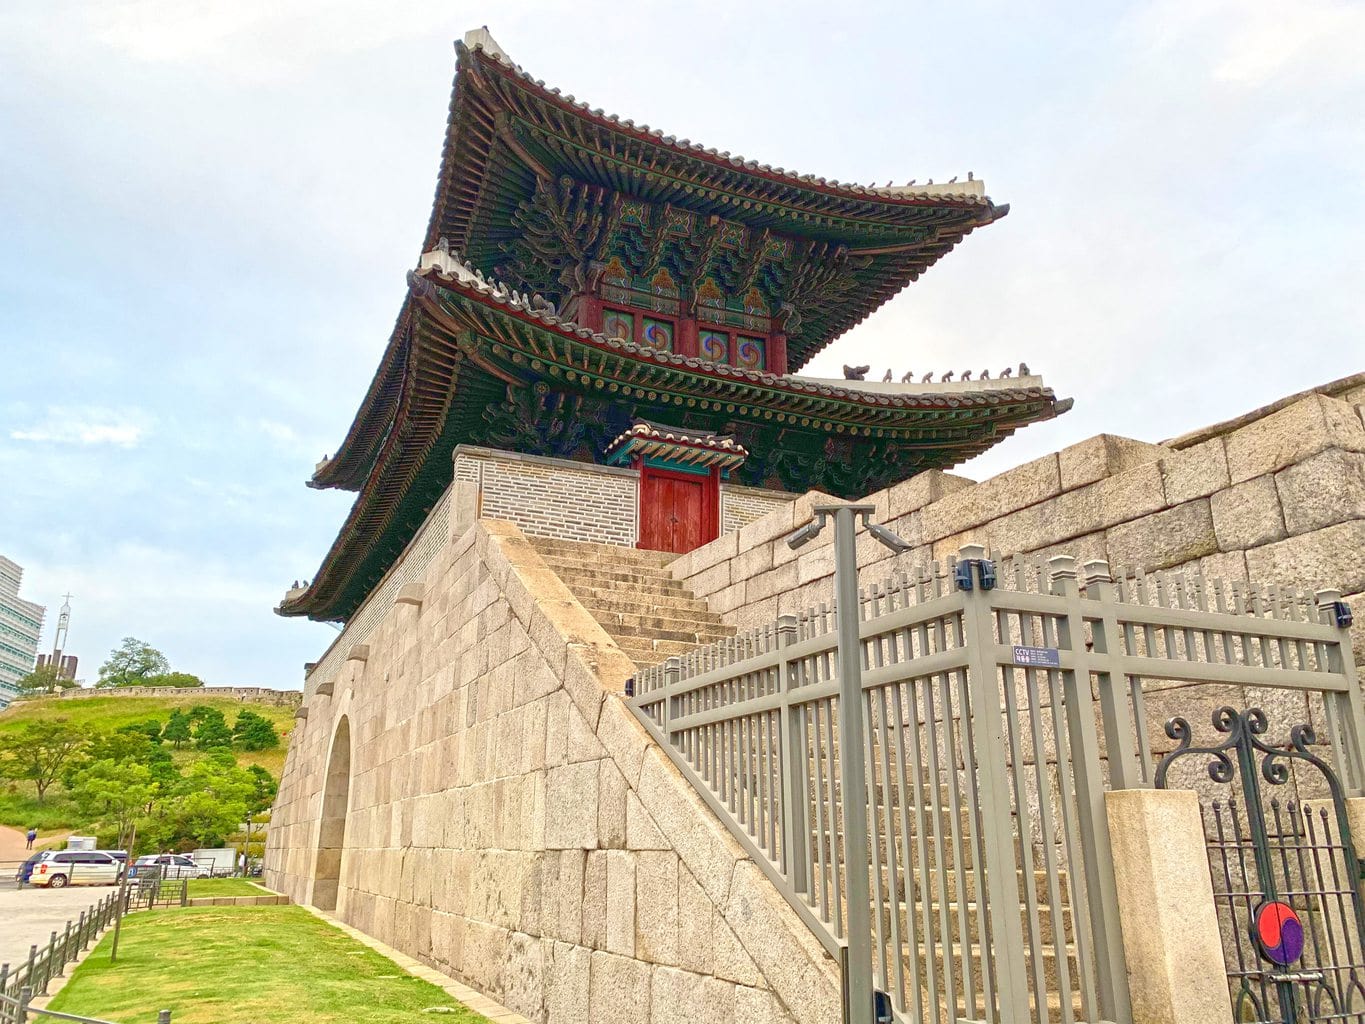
[642, 607]
[651, 616]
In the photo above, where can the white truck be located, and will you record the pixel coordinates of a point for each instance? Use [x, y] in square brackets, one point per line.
[220, 862]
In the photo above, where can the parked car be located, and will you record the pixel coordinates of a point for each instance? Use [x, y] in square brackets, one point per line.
[58, 868]
[168, 865]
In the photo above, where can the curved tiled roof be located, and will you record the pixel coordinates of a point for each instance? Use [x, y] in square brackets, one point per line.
[507, 132]
[454, 273]
[971, 192]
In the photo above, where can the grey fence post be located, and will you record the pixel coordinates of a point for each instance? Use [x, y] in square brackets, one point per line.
[852, 768]
[25, 997]
[988, 731]
[1119, 734]
[1096, 853]
[66, 951]
[164, 1017]
[1349, 707]
[794, 756]
[672, 675]
[48, 960]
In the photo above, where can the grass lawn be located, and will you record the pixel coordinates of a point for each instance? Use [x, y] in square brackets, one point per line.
[206, 887]
[247, 965]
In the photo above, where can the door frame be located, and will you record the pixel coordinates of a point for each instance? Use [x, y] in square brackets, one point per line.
[710, 499]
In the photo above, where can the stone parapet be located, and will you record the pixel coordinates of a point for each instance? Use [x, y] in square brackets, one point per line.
[511, 824]
[1277, 499]
[567, 500]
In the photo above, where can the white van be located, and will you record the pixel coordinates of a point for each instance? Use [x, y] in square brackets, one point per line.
[59, 868]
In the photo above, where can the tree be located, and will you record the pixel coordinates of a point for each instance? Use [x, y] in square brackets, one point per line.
[120, 794]
[151, 728]
[208, 804]
[264, 789]
[171, 679]
[39, 751]
[212, 729]
[254, 732]
[131, 663]
[177, 729]
[45, 679]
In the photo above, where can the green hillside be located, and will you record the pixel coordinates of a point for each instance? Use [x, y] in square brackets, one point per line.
[107, 714]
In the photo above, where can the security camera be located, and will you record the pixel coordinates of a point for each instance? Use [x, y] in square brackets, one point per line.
[807, 533]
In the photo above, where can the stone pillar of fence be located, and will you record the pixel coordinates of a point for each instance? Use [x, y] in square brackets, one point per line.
[1171, 936]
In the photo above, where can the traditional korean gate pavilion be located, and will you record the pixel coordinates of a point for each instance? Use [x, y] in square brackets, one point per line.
[582, 274]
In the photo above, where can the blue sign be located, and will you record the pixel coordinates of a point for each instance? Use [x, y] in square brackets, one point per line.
[1038, 657]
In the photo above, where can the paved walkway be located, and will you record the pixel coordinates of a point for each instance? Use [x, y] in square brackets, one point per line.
[29, 916]
[495, 1012]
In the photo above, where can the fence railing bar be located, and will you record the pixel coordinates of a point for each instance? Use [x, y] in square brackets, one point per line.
[881, 902]
[1073, 842]
[1015, 754]
[1097, 859]
[908, 949]
[935, 779]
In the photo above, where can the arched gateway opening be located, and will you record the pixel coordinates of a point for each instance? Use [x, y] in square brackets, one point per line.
[332, 831]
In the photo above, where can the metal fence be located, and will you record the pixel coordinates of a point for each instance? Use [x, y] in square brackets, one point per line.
[995, 714]
[21, 983]
[47, 962]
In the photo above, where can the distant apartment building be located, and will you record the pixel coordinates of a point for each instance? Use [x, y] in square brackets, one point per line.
[66, 665]
[21, 622]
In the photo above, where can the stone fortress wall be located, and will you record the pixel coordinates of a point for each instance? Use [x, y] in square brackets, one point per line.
[549, 497]
[1276, 497]
[247, 694]
[510, 823]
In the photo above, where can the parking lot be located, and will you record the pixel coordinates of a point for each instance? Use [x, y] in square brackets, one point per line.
[29, 916]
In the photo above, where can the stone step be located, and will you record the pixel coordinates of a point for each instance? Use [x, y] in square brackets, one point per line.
[972, 914]
[954, 952]
[662, 648]
[587, 550]
[633, 623]
[588, 559]
[952, 1015]
[610, 577]
[611, 600]
[949, 880]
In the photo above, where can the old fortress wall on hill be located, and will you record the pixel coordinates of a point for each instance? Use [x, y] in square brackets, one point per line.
[465, 783]
[246, 694]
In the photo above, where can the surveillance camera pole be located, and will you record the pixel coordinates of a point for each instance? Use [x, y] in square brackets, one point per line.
[859, 1006]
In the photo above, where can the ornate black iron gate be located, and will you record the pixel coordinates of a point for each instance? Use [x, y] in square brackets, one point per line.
[1285, 874]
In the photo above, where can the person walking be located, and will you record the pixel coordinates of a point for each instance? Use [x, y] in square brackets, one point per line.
[31, 836]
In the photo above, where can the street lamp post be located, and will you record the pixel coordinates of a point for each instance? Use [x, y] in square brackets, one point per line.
[860, 1004]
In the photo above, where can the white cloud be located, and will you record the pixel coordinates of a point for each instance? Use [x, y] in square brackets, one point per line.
[120, 428]
[281, 432]
[1253, 45]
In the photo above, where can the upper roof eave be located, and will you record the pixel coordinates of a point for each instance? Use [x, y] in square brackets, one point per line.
[479, 50]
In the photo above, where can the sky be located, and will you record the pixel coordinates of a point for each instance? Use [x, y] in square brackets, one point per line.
[207, 210]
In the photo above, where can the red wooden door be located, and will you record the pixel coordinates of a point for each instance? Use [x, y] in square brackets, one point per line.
[676, 513]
